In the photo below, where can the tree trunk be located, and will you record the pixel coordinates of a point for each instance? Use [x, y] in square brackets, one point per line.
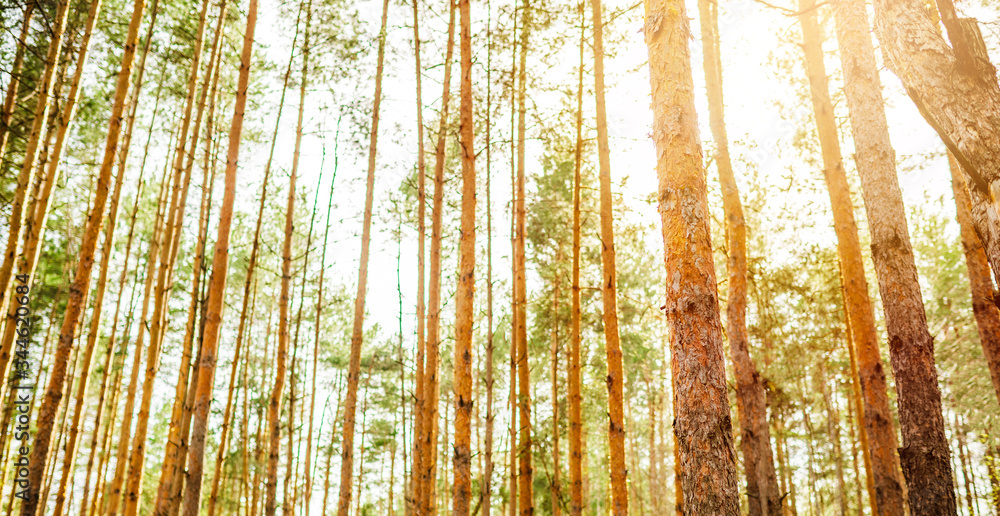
[859, 409]
[464, 315]
[574, 380]
[955, 89]
[357, 331]
[755, 439]
[877, 415]
[427, 440]
[415, 494]
[152, 259]
[833, 433]
[525, 477]
[701, 409]
[81, 283]
[487, 481]
[554, 379]
[609, 289]
[216, 293]
[924, 455]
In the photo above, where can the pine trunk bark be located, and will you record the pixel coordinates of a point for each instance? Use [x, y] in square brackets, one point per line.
[955, 89]
[924, 455]
[706, 456]
[464, 309]
[357, 331]
[755, 438]
[877, 415]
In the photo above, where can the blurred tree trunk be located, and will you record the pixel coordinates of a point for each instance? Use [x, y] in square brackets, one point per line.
[574, 380]
[414, 495]
[706, 457]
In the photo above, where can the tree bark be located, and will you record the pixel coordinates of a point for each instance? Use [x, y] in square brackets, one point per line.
[414, 495]
[462, 369]
[877, 415]
[357, 331]
[755, 438]
[704, 430]
[609, 289]
[924, 455]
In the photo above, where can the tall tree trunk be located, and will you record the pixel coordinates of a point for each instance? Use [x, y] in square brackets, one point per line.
[25, 176]
[415, 495]
[854, 454]
[755, 439]
[983, 303]
[877, 415]
[859, 408]
[924, 455]
[464, 315]
[701, 409]
[15, 77]
[609, 288]
[357, 331]
[81, 282]
[525, 476]
[512, 400]
[427, 441]
[487, 481]
[574, 380]
[216, 293]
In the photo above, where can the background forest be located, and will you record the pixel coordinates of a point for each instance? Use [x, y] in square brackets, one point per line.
[318, 255]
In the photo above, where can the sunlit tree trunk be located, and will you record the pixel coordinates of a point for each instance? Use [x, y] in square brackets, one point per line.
[357, 332]
[216, 293]
[877, 415]
[924, 455]
[755, 439]
[555, 488]
[462, 372]
[524, 475]
[701, 410]
[609, 288]
[487, 480]
[81, 283]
